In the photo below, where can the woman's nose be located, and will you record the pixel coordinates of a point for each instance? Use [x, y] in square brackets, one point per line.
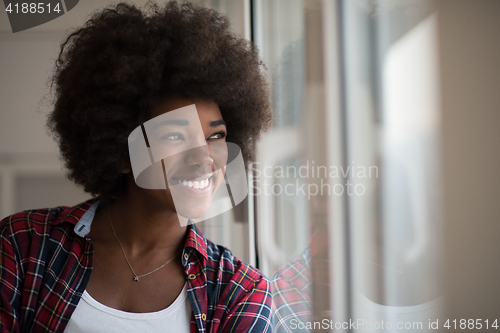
[199, 156]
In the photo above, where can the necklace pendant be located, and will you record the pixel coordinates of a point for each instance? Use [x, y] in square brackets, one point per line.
[136, 278]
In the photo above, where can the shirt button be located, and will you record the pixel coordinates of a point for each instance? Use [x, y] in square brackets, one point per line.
[186, 256]
[191, 276]
[204, 317]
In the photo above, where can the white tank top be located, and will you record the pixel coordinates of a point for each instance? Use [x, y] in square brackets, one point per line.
[90, 316]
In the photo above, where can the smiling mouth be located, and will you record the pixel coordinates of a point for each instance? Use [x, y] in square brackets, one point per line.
[200, 183]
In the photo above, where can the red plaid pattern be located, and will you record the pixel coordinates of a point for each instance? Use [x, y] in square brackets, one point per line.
[291, 287]
[45, 267]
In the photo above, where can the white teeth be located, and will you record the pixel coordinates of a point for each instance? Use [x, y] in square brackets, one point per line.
[197, 184]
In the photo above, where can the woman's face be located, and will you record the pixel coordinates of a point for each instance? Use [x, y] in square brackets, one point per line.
[191, 145]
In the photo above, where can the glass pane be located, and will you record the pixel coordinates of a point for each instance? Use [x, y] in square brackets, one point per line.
[282, 209]
[392, 108]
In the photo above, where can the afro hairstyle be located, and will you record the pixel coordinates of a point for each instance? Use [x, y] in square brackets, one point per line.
[124, 60]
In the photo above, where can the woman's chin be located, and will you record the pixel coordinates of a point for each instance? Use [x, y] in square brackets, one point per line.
[192, 213]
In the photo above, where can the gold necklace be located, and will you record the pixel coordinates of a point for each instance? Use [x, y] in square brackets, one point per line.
[136, 277]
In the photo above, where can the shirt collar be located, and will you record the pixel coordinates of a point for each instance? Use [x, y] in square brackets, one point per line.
[74, 214]
[195, 239]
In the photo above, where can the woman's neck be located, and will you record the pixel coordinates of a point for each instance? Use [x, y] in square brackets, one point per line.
[143, 226]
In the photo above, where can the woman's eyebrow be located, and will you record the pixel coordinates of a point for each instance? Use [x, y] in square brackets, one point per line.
[175, 122]
[216, 123]
[178, 122]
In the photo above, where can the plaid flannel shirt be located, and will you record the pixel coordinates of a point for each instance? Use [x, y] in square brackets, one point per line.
[45, 267]
[291, 288]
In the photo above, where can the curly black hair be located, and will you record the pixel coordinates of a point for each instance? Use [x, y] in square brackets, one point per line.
[113, 70]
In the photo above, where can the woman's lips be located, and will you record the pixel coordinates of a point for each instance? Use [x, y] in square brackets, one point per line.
[198, 185]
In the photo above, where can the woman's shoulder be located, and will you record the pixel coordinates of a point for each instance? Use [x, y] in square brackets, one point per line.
[244, 291]
[24, 224]
[231, 267]
[233, 280]
[42, 218]
[222, 266]
[21, 229]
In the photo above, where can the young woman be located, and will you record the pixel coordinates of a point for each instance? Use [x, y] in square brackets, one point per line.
[124, 261]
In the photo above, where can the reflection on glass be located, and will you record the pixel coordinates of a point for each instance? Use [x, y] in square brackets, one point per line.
[392, 121]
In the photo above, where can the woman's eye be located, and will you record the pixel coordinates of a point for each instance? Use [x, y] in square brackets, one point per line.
[173, 137]
[218, 135]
